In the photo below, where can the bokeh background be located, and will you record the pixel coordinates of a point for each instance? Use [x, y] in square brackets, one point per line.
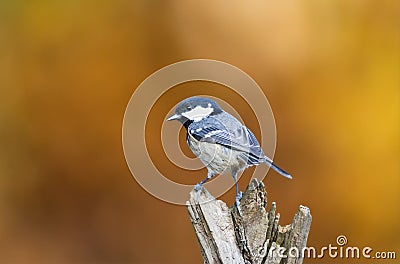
[330, 70]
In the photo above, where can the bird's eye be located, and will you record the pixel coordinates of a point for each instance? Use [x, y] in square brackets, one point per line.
[188, 107]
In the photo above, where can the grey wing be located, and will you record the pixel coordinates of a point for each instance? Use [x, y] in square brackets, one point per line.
[256, 153]
[241, 139]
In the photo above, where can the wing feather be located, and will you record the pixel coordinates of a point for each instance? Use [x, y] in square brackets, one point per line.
[242, 140]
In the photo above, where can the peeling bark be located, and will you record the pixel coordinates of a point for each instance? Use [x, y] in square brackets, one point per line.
[254, 237]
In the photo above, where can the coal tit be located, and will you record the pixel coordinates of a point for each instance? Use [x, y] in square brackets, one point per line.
[219, 140]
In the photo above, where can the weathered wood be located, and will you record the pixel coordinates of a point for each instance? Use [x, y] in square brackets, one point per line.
[253, 237]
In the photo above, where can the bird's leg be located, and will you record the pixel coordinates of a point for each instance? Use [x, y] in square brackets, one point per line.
[198, 187]
[238, 193]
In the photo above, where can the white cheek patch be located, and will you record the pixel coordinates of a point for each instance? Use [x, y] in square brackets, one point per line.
[198, 113]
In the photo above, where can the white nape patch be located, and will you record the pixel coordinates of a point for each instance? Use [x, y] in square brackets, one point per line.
[198, 113]
[212, 133]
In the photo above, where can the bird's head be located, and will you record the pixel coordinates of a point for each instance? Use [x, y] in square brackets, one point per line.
[194, 109]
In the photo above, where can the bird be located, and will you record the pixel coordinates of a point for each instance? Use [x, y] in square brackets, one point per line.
[220, 141]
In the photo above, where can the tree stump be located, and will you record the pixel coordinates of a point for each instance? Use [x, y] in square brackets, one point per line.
[254, 237]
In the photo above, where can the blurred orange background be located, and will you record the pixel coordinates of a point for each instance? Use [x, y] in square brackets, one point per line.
[330, 70]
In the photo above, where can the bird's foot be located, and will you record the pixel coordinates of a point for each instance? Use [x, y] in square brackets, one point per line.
[198, 188]
[237, 202]
[239, 196]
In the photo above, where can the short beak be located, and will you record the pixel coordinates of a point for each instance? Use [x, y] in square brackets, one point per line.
[173, 117]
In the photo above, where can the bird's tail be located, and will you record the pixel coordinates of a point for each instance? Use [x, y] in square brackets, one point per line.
[277, 169]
